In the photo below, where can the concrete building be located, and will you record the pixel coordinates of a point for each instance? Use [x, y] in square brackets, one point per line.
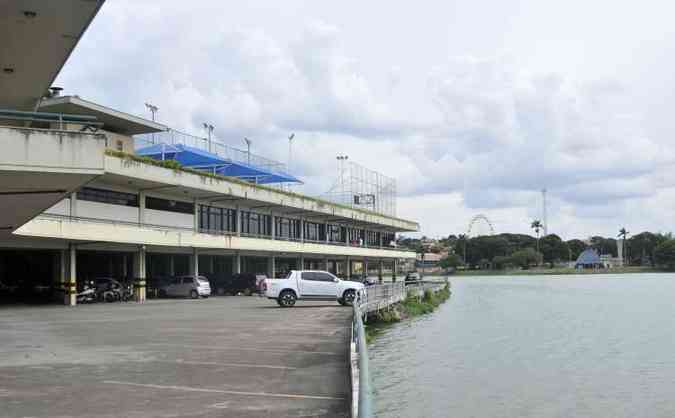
[76, 203]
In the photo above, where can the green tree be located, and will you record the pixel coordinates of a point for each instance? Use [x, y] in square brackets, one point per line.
[664, 254]
[642, 247]
[537, 226]
[452, 260]
[576, 247]
[501, 262]
[553, 249]
[525, 258]
[623, 234]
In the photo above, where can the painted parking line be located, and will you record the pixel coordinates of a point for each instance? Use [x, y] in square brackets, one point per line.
[227, 392]
[262, 350]
[214, 363]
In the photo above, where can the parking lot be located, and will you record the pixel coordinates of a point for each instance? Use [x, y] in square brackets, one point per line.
[216, 357]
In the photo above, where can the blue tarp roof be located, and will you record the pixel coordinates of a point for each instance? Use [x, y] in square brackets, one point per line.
[588, 258]
[207, 161]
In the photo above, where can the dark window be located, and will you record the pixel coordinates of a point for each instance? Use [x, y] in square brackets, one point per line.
[323, 277]
[309, 275]
[336, 233]
[287, 228]
[108, 196]
[256, 224]
[372, 238]
[315, 231]
[216, 219]
[387, 238]
[169, 205]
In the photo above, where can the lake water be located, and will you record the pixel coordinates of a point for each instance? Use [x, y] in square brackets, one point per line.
[547, 346]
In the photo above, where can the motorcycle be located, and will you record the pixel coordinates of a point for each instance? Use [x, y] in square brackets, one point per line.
[87, 295]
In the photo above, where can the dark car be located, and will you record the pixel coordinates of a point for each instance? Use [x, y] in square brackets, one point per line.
[246, 283]
[155, 283]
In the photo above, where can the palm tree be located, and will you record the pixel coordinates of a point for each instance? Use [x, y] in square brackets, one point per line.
[623, 234]
[537, 226]
[463, 238]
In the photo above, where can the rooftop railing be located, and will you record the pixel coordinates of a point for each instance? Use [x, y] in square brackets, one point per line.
[87, 122]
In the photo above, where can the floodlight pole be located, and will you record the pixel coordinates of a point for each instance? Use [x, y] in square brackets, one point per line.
[290, 154]
[248, 152]
[153, 109]
[209, 129]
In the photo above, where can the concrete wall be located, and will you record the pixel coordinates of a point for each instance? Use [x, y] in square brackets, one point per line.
[99, 210]
[163, 218]
[61, 208]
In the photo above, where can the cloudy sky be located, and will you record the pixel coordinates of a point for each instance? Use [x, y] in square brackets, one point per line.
[473, 106]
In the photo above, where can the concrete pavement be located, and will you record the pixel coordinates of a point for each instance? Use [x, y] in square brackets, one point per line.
[220, 357]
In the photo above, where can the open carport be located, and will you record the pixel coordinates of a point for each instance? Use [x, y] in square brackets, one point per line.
[235, 357]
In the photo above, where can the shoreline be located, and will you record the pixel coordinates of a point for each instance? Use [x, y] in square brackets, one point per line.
[556, 272]
[411, 307]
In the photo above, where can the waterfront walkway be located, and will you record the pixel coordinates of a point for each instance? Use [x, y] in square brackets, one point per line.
[220, 357]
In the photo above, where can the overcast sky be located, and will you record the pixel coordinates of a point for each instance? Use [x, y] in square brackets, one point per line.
[473, 106]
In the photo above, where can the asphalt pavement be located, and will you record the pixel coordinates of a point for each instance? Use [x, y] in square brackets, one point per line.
[217, 357]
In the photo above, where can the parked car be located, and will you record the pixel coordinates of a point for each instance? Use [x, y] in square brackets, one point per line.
[187, 286]
[311, 285]
[245, 283]
[155, 283]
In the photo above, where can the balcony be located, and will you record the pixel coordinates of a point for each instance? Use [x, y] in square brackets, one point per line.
[40, 166]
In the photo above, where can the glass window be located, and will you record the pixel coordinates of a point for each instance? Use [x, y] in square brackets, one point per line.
[323, 277]
[188, 280]
[107, 196]
[216, 219]
[255, 224]
[169, 205]
[309, 275]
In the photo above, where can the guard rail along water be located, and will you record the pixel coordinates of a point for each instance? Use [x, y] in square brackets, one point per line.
[373, 299]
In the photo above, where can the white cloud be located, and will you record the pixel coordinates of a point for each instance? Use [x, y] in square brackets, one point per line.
[462, 135]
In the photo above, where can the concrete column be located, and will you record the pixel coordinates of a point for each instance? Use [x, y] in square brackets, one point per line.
[141, 207]
[379, 270]
[325, 264]
[302, 231]
[273, 231]
[172, 266]
[71, 284]
[64, 265]
[346, 235]
[380, 238]
[139, 274]
[394, 270]
[271, 267]
[194, 262]
[73, 204]
[325, 230]
[301, 266]
[237, 263]
[365, 267]
[237, 220]
[349, 268]
[196, 216]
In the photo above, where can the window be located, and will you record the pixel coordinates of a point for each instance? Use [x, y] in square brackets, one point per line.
[308, 275]
[336, 233]
[315, 231]
[107, 196]
[169, 205]
[188, 280]
[120, 146]
[216, 219]
[323, 277]
[372, 238]
[256, 224]
[287, 228]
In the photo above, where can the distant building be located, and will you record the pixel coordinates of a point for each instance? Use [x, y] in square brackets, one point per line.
[429, 261]
[588, 259]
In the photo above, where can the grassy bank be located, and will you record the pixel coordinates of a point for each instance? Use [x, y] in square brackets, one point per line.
[411, 307]
[555, 271]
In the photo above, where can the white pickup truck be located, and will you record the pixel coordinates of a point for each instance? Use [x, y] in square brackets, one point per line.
[310, 285]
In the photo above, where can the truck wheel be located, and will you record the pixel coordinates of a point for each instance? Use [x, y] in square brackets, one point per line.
[194, 294]
[342, 302]
[287, 299]
[349, 296]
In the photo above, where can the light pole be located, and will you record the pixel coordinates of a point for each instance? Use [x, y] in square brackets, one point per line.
[153, 109]
[341, 167]
[209, 129]
[290, 152]
[248, 152]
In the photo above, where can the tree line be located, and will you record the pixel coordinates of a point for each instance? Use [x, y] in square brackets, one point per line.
[508, 250]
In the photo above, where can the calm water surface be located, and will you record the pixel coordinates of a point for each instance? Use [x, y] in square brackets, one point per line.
[515, 347]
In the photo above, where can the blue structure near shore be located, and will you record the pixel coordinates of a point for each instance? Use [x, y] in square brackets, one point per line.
[588, 259]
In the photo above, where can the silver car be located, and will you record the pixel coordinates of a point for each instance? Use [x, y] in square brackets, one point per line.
[186, 286]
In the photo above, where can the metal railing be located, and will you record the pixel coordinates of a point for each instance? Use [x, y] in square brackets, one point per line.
[360, 372]
[47, 117]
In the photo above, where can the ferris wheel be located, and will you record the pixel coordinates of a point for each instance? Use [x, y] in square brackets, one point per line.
[480, 221]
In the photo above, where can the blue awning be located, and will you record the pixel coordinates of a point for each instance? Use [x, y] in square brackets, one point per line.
[213, 163]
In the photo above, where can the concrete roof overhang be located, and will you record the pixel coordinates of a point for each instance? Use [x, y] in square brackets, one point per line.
[113, 120]
[37, 38]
